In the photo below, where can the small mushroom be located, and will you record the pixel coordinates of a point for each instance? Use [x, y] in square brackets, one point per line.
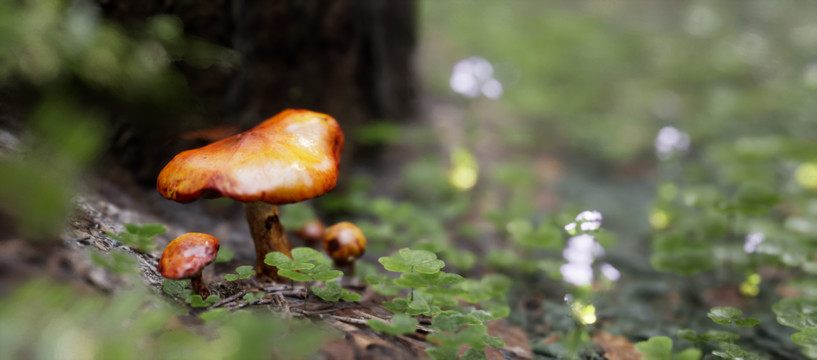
[311, 233]
[186, 256]
[291, 157]
[344, 242]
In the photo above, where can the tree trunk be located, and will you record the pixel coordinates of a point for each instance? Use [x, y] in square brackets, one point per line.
[351, 59]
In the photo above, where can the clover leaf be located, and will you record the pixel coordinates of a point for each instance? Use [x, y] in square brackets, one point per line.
[655, 348]
[177, 288]
[139, 237]
[332, 291]
[726, 315]
[799, 313]
[400, 324]
[253, 297]
[406, 260]
[197, 301]
[242, 272]
[306, 264]
[733, 351]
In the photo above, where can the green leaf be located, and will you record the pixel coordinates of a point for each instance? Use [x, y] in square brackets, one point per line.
[438, 353]
[253, 297]
[807, 337]
[733, 351]
[350, 296]
[421, 261]
[400, 324]
[217, 314]
[412, 280]
[327, 275]
[396, 305]
[224, 255]
[429, 267]
[718, 335]
[148, 230]
[473, 354]
[197, 301]
[276, 258]
[479, 316]
[655, 348]
[494, 341]
[331, 292]
[382, 284]
[178, 288]
[245, 271]
[799, 313]
[747, 322]
[688, 335]
[724, 315]
[418, 305]
[446, 279]
[498, 309]
[688, 354]
[303, 254]
[450, 321]
[394, 264]
[294, 275]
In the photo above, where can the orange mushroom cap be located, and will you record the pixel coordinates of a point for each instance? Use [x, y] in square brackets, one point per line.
[290, 157]
[344, 242]
[187, 254]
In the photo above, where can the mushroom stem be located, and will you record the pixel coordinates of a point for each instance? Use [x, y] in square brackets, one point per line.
[348, 267]
[268, 235]
[198, 286]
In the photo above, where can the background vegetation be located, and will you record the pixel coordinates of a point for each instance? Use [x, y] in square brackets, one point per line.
[678, 140]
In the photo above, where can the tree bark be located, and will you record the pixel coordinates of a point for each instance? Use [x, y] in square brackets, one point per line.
[351, 59]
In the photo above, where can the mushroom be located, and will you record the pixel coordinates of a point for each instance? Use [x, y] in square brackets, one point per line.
[311, 232]
[344, 242]
[186, 256]
[291, 157]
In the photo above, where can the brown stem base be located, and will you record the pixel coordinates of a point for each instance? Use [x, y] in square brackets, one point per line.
[268, 235]
[198, 286]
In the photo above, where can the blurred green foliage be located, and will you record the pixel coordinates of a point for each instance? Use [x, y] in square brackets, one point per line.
[46, 320]
[139, 237]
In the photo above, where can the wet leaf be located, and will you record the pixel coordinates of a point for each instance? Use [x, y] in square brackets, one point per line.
[400, 324]
[724, 315]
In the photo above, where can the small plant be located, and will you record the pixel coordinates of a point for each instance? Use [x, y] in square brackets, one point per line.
[198, 301]
[253, 297]
[177, 288]
[723, 315]
[800, 313]
[242, 272]
[660, 348]
[116, 261]
[400, 324]
[224, 255]
[726, 315]
[308, 264]
[332, 291]
[420, 271]
[455, 329]
[181, 289]
[438, 294]
[139, 237]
